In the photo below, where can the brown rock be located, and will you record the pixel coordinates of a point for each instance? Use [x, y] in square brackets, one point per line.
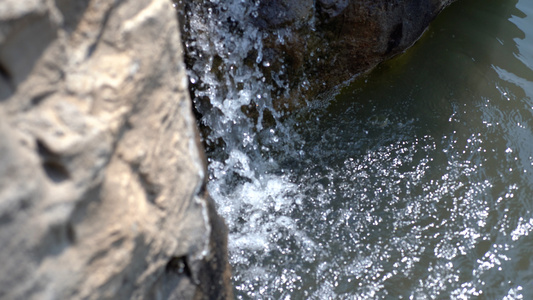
[346, 38]
[101, 177]
[310, 46]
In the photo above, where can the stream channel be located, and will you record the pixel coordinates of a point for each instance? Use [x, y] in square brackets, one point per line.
[414, 181]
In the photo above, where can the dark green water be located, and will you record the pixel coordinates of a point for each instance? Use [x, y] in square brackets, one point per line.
[418, 177]
[413, 182]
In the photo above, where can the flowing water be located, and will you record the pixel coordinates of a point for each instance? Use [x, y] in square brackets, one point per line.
[415, 181]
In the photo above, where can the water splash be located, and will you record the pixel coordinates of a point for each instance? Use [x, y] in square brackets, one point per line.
[404, 190]
[233, 98]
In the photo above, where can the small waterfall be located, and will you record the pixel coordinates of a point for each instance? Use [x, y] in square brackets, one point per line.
[232, 89]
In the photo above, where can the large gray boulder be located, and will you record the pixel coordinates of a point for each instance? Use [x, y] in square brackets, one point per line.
[101, 175]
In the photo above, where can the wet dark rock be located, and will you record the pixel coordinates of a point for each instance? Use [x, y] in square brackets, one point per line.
[280, 13]
[310, 46]
[344, 38]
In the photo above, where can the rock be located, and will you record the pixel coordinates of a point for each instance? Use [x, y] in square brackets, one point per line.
[345, 38]
[280, 13]
[311, 46]
[101, 174]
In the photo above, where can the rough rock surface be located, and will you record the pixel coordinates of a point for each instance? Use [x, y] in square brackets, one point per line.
[101, 175]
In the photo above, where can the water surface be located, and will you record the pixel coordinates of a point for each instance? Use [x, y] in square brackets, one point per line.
[415, 181]
[418, 176]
